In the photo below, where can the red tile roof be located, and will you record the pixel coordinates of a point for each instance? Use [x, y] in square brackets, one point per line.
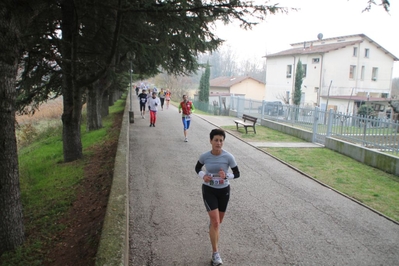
[318, 48]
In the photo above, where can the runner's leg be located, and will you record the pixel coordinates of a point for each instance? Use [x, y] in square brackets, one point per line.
[214, 228]
[152, 117]
[185, 126]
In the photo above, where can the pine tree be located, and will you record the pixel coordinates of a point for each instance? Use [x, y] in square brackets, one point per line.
[201, 88]
[298, 83]
[206, 82]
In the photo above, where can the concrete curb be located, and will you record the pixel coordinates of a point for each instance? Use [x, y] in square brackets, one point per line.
[114, 243]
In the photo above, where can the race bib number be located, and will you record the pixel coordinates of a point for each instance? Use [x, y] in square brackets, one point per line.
[217, 182]
[187, 117]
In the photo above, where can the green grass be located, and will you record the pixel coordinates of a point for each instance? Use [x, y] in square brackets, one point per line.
[264, 134]
[47, 186]
[374, 188]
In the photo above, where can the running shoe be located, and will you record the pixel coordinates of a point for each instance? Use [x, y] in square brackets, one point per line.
[150, 125]
[153, 125]
[185, 140]
[216, 259]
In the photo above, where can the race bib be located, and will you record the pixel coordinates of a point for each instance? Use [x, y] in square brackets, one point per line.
[187, 117]
[217, 182]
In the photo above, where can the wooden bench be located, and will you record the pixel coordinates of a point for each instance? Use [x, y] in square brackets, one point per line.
[247, 121]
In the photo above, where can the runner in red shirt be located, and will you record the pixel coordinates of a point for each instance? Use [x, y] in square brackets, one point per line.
[187, 107]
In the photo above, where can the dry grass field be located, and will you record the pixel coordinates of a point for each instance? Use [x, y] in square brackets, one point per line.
[28, 127]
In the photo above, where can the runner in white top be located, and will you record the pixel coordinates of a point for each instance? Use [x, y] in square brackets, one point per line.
[153, 103]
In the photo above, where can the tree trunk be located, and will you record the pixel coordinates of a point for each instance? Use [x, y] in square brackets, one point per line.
[111, 96]
[104, 105]
[72, 95]
[94, 101]
[11, 220]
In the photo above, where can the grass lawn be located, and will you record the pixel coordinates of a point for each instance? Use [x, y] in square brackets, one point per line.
[374, 188]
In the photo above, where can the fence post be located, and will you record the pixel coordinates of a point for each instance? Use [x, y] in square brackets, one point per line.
[330, 122]
[263, 109]
[315, 121]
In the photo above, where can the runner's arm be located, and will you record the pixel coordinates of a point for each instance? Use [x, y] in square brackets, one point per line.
[236, 173]
[198, 168]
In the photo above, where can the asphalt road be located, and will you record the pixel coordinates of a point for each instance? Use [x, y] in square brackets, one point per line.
[276, 216]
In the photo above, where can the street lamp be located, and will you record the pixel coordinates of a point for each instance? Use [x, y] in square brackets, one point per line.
[131, 114]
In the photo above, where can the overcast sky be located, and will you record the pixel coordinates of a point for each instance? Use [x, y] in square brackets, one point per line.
[332, 18]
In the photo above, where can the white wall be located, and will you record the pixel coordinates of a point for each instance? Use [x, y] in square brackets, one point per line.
[277, 84]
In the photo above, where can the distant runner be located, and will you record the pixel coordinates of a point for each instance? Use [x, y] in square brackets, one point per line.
[167, 98]
[153, 104]
[143, 101]
[187, 107]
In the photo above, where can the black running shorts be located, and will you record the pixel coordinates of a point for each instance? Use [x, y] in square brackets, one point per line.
[142, 106]
[215, 198]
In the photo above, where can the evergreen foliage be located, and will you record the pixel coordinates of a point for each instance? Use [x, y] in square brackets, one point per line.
[366, 110]
[201, 88]
[298, 83]
[204, 84]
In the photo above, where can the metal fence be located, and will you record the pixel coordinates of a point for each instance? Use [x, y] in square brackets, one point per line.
[375, 133]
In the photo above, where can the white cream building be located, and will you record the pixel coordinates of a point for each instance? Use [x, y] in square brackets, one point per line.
[340, 73]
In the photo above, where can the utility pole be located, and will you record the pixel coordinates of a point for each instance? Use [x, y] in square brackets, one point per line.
[328, 97]
[131, 114]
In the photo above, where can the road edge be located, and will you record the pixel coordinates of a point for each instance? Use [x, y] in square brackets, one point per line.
[114, 243]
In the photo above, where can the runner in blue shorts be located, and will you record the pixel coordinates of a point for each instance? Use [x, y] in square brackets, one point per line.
[187, 107]
[216, 185]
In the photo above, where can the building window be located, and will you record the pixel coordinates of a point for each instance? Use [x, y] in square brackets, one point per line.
[304, 68]
[362, 73]
[374, 74]
[379, 107]
[315, 60]
[355, 51]
[352, 72]
[289, 71]
[366, 53]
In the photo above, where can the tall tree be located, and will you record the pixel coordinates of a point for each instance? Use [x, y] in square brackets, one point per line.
[204, 85]
[201, 89]
[298, 83]
[15, 18]
[207, 76]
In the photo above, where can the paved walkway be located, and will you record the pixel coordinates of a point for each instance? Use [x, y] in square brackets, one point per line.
[221, 121]
[276, 215]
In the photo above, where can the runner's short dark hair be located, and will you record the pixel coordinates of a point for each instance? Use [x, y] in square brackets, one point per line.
[217, 132]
